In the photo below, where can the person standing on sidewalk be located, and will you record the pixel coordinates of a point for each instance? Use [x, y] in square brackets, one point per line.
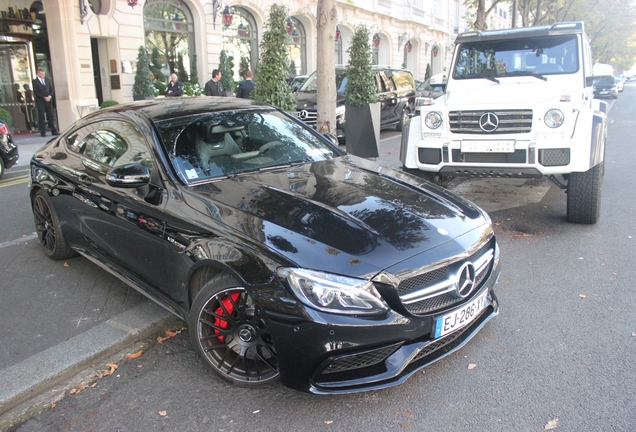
[214, 86]
[246, 86]
[43, 92]
[175, 88]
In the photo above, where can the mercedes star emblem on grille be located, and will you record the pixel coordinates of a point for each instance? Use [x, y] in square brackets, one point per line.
[489, 122]
[465, 282]
[303, 114]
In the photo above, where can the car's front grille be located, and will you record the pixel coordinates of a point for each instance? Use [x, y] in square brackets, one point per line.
[308, 117]
[519, 156]
[509, 121]
[360, 360]
[435, 290]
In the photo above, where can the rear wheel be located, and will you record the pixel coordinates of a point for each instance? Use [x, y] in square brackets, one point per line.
[229, 332]
[48, 229]
[584, 195]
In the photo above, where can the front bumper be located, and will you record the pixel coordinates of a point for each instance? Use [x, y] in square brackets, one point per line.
[338, 354]
[9, 154]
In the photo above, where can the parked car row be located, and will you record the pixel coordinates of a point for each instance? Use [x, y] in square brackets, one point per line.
[607, 86]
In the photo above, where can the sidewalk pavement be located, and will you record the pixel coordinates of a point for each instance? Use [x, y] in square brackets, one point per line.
[61, 319]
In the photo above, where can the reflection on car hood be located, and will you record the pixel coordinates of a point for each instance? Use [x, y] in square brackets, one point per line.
[363, 221]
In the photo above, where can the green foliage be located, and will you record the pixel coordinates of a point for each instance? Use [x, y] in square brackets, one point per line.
[273, 66]
[244, 66]
[143, 85]
[182, 75]
[428, 73]
[160, 87]
[194, 73]
[108, 103]
[192, 89]
[361, 86]
[156, 65]
[226, 66]
[5, 117]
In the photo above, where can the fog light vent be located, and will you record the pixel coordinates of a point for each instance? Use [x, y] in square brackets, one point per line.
[361, 360]
[430, 156]
[554, 157]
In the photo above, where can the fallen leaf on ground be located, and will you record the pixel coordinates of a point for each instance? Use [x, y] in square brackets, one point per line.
[472, 366]
[135, 355]
[112, 369]
[169, 334]
[65, 264]
[634, 334]
[328, 421]
[405, 425]
[552, 424]
[76, 390]
[162, 413]
[582, 296]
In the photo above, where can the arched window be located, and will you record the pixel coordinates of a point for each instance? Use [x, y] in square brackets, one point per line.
[240, 40]
[169, 36]
[338, 51]
[297, 44]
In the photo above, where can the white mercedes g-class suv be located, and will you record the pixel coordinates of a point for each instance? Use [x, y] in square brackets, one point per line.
[519, 103]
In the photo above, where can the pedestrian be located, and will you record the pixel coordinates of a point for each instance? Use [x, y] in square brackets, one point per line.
[43, 92]
[246, 86]
[214, 86]
[175, 88]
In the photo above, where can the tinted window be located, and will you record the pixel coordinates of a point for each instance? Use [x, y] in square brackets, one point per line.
[403, 81]
[220, 144]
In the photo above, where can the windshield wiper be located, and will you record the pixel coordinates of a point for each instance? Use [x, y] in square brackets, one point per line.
[490, 78]
[526, 73]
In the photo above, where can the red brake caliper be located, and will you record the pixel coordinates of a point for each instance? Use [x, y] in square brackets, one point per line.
[229, 307]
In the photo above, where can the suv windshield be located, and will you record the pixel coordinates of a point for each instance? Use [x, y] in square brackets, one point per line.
[513, 57]
[311, 85]
[604, 81]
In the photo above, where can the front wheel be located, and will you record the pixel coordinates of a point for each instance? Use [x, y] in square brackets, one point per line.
[230, 333]
[404, 120]
[584, 195]
[48, 228]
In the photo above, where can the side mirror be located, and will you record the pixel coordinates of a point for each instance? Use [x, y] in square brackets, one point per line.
[589, 81]
[331, 138]
[128, 176]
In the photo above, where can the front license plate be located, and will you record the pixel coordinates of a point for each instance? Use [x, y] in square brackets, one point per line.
[460, 317]
[488, 146]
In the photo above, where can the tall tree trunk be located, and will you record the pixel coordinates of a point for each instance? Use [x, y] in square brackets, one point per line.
[327, 15]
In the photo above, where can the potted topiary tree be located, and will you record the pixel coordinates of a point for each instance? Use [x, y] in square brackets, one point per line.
[143, 88]
[271, 72]
[362, 129]
[226, 66]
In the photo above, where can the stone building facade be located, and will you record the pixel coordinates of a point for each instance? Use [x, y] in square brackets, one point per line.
[89, 47]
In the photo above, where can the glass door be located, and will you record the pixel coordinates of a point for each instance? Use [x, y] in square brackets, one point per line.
[16, 74]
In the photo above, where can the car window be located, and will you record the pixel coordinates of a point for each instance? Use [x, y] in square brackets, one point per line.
[403, 80]
[386, 84]
[111, 143]
[230, 143]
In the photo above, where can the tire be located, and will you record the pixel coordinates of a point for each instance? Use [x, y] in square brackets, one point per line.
[48, 229]
[1, 168]
[431, 177]
[230, 334]
[584, 195]
[404, 120]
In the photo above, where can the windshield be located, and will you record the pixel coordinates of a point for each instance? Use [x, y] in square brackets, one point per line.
[227, 143]
[604, 81]
[528, 56]
[311, 85]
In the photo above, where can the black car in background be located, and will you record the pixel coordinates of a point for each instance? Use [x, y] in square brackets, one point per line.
[605, 87]
[8, 150]
[288, 258]
[395, 90]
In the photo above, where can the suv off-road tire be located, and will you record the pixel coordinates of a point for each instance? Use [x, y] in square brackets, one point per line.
[584, 195]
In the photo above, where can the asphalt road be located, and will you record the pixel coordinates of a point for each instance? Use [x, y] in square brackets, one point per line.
[560, 354]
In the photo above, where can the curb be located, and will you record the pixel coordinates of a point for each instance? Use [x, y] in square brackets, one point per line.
[34, 376]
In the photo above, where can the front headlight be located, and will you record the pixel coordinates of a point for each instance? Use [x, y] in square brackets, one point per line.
[340, 111]
[554, 118]
[333, 293]
[433, 120]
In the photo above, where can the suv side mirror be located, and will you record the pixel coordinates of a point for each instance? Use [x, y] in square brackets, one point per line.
[589, 81]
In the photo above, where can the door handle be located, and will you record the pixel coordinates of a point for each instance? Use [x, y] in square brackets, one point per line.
[84, 179]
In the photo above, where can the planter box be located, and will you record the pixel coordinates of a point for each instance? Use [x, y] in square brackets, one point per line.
[362, 130]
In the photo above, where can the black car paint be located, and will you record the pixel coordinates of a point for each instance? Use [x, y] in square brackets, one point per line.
[252, 224]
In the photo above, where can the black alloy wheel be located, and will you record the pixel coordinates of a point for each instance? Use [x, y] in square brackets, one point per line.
[404, 119]
[231, 335]
[48, 228]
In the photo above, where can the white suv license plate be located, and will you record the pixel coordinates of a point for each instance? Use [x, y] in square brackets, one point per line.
[488, 146]
[460, 317]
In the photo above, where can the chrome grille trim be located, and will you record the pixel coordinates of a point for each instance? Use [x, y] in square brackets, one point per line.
[510, 121]
[448, 284]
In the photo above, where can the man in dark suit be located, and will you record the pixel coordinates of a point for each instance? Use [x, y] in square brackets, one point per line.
[175, 88]
[43, 92]
[214, 86]
[246, 87]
